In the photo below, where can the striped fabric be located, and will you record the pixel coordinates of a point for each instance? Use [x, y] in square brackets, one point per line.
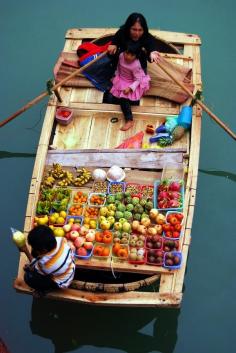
[58, 263]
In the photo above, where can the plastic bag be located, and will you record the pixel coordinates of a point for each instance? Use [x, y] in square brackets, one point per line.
[18, 237]
[133, 141]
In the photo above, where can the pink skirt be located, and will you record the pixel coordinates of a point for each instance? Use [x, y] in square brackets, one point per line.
[120, 84]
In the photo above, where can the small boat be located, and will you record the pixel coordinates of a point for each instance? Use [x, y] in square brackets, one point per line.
[89, 141]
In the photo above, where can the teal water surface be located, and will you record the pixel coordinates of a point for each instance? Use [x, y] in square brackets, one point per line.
[31, 37]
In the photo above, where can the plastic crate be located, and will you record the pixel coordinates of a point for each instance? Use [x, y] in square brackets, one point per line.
[103, 237]
[114, 184]
[78, 209]
[77, 219]
[137, 262]
[117, 258]
[75, 192]
[173, 267]
[147, 191]
[101, 257]
[100, 187]
[85, 257]
[155, 197]
[133, 188]
[87, 214]
[174, 171]
[155, 253]
[181, 223]
[101, 195]
[166, 243]
[159, 240]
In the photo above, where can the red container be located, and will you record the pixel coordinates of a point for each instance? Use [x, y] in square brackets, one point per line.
[64, 115]
[155, 257]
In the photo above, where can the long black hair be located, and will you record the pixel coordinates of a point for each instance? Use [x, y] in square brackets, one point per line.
[132, 19]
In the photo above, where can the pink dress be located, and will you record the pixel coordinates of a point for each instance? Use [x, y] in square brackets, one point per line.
[130, 75]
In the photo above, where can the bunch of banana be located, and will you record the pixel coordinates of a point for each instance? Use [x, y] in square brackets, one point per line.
[48, 182]
[57, 172]
[68, 179]
[83, 177]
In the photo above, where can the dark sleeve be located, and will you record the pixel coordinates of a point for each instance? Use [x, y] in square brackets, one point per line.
[150, 44]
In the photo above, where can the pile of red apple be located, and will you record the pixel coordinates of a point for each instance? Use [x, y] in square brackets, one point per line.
[172, 228]
[81, 240]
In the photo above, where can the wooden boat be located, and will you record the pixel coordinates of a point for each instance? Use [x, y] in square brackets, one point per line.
[89, 140]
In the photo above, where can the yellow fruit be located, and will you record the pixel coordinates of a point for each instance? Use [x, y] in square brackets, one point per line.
[63, 214]
[86, 220]
[71, 220]
[52, 219]
[42, 220]
[51, 226]
[55, 214]
[60, 220]
[93, 224]
[58, 232]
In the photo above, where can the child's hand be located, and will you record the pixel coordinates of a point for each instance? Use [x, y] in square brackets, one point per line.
[127, 90]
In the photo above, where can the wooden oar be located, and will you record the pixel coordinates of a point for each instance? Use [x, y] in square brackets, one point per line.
[46, 93]
[203, 106]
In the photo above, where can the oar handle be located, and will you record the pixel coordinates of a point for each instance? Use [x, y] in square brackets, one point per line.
[54, 88]
[202, 105]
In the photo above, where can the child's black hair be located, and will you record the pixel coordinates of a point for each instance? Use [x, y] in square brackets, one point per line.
[41, 238]
[133, 49]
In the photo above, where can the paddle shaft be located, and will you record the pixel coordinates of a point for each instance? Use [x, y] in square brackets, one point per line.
[203, 106]
[54, 88]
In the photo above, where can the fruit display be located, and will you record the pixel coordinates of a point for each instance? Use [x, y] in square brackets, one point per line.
[113, 220]
[169, 194]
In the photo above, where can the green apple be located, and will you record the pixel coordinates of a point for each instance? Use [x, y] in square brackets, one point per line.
[111, 219]
[126, 227]
[122, 220]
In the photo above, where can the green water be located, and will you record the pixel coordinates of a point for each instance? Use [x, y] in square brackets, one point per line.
[31, 37]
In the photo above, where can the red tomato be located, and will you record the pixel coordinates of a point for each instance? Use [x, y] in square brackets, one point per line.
[169, 234]
[178, 227]
[176, 234]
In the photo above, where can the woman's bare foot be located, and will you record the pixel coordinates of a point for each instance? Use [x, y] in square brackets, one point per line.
[128, 125]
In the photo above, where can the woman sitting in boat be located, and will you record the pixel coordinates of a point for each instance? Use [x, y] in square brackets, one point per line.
[135, 31]
[52, 265]
[129, 84]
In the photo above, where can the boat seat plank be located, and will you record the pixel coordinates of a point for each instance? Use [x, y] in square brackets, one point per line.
[144, 159]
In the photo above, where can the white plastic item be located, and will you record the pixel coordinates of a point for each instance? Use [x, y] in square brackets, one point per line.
[99, 175]
[115, 173]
